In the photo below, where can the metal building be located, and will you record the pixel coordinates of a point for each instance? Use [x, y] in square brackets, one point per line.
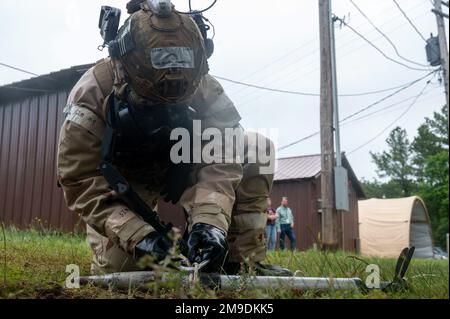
[30, 120]
[298, 178]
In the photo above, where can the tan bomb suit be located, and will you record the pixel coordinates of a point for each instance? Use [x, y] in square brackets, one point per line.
[231, 197]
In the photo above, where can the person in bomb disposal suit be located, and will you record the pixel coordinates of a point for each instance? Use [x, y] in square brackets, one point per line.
[154, 81]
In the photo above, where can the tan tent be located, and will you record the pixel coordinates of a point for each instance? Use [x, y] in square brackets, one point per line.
[386, 226]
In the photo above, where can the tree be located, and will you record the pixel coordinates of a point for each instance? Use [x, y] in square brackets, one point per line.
[420, 168]
[396, 163]
[377, 189]
[432, 138]
[431, 162]
[434, 191]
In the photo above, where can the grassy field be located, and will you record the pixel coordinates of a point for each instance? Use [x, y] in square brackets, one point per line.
[36, 263]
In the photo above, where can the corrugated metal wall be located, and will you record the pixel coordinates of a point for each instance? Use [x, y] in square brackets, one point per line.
[29, 131]
[303, 196]
[351, 222]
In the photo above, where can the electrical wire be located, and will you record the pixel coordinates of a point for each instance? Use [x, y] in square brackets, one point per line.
[281, 58]
[294, 71]
[315, 94]
[392, 123]
[45, 77]
[265, 88]
[18, 69]
[198, 11]
[388, 108]
[409, 20]
[298, 141]
[362, 118]
[385, 98]
[377, 48]
[358, 112]
[384, 35]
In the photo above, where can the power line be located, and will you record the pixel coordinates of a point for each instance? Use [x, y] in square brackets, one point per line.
[389, 107]
[314, 94]
[384, 35]
[265, 88]
[377, 48]
[409, 20]
[18, 69]
[357, 120]
[281, 58]
[298, 60]
[359, 112]
[304, 74]
[198, 11]
[44, 77]
[385, 98]
[298, 141]
[392, 123]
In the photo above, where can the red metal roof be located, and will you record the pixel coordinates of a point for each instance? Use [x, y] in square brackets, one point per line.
[309, 166]
[45, 84]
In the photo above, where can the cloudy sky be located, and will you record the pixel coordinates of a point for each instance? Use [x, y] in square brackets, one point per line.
[273, 44]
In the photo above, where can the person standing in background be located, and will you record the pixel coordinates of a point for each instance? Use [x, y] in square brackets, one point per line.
[285, 224]
[271, 227]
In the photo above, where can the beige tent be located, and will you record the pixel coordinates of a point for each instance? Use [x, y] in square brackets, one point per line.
[386, 226]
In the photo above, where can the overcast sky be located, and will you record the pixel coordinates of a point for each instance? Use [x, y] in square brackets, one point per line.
[267, 43]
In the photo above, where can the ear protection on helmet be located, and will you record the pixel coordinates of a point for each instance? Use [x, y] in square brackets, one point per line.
[123, 43]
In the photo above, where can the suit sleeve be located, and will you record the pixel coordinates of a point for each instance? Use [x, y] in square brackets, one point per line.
[86, 191]
[211, 197]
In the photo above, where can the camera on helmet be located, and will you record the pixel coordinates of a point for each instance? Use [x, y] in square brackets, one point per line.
[109, 23]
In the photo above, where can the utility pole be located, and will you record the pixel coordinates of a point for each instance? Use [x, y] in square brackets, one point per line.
[340, 173]
[329, 216]
[442, 42]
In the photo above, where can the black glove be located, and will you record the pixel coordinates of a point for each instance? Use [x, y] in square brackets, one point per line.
[154, 244]
[207, 242]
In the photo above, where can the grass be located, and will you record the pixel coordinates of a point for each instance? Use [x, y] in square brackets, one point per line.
[36, 263]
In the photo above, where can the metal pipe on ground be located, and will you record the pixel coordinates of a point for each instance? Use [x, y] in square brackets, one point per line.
[138, 280]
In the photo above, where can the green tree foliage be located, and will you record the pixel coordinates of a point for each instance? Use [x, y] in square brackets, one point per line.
[396, 163]
[377, 189]
[430, 156]
[431, 139]
[434, 191]
[418, 168]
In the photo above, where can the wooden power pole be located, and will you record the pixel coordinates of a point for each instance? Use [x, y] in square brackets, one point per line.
[442, 42]
[329, 216]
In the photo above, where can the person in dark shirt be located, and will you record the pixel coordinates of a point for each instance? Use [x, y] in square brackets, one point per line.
[271, 228]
